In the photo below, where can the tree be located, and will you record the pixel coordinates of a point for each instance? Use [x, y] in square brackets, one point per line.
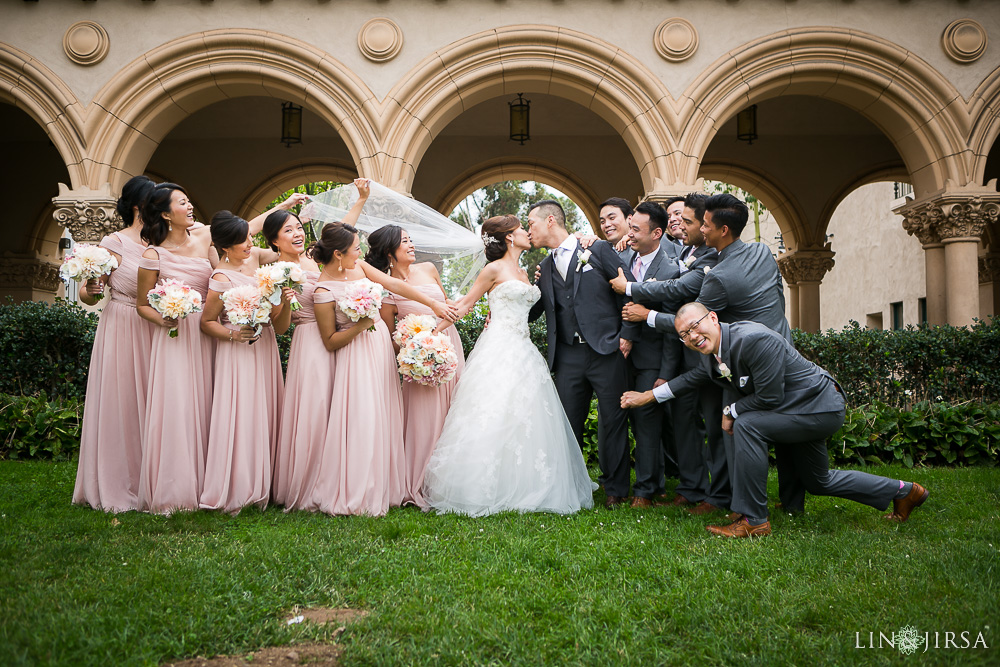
[756, 208]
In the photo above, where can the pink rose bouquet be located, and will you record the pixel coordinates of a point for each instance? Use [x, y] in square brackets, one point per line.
[245, 306]
[411, 325]
[86, 262]
[174, 300]
[271, 279]
[363, 299]
[428, 359]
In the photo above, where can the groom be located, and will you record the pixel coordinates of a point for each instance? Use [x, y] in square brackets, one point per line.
[587, 340]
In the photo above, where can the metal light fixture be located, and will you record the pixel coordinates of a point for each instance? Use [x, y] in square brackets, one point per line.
[291, 124]
[746, 124]
[519, 126]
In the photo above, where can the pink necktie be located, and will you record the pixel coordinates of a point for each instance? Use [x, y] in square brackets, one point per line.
[637, 268]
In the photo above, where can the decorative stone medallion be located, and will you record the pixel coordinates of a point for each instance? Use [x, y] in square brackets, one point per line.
[380, 39]
[675, 39]
[964, 40]
[86, 43]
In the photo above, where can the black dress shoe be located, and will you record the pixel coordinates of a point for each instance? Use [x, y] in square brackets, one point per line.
[614, 501]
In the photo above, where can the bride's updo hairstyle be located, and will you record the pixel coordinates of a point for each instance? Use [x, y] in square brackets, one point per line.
[154, 226]
[382, 245]
[228, 230]
[335, 236]
[273, 224]
[495, 231]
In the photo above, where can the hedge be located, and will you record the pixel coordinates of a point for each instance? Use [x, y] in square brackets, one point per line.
[33, 427]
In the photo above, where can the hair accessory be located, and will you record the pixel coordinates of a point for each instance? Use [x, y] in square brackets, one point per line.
[487, 239]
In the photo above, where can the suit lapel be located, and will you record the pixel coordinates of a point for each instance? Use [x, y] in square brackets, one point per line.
[654, 265]
[571, 272]
[547, 286]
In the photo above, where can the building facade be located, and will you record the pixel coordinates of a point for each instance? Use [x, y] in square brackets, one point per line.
[628, 98]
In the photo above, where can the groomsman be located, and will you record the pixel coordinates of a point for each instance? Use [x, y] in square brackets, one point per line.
[614, 217]
[675, 220]
[587, 340]
[653, 360]
[703, 474]
[773, 395]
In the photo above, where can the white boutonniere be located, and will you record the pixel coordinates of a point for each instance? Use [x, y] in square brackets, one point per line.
[582, 260]
[690, 260]
[707, 269]
[724, 371]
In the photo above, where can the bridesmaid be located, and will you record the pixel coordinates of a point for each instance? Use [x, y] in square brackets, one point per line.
[107, 477]
[311, 452]
[243, 428]
[424, 408]
[179, 390]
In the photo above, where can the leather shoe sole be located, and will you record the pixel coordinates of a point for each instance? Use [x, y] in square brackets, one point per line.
[901, 508]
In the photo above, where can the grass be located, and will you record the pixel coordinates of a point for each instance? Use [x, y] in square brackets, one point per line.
[651, 587]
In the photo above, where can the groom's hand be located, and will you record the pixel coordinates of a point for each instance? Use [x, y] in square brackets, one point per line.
[619, 282]
[633, 399]
[538, 273]
[625, 346]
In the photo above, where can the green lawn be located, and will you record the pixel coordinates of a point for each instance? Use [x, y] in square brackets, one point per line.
[651, 587]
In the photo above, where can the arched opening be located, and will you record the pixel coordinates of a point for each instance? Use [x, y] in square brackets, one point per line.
[228, 155]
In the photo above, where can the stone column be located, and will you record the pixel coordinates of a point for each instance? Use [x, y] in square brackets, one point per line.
[949, 225]
[793, 306]
[89, 215]
[806, 268]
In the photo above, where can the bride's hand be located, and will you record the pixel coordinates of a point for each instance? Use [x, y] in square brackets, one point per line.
[445, 311]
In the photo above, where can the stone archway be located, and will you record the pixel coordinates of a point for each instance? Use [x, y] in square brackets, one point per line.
[985, 109]
[154, 93]
[507, 169]
[910, 101]
[530, 59]
[282, 180]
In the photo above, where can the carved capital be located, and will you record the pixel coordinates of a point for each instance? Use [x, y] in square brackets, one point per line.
[30, 273]
[805, 266]
[661, 191]
[989, 268]
[955, 212]
[89, 215]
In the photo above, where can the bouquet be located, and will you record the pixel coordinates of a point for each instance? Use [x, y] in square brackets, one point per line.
[428, 359]
[411, 325]
[245, 306]
[271, 279]
[86, 262]
[363, 299]
[174, 300]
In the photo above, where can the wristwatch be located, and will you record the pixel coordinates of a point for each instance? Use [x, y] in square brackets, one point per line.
[727, 411]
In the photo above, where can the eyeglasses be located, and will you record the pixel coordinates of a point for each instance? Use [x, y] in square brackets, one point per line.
[684, 334]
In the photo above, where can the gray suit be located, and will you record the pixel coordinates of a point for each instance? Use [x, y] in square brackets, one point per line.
[671, 247]
[703, 472]
[653, 357]
[780, 398]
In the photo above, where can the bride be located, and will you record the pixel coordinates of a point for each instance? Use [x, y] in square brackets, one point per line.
[506, 443]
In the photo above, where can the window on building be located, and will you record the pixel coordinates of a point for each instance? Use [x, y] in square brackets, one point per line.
[896, 309]
[873, 321]
[922, 310]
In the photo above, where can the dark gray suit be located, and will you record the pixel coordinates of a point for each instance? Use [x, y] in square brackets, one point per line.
[653, 357]
[583, 323]
[703, 472]
[780, 398]
[671, 247]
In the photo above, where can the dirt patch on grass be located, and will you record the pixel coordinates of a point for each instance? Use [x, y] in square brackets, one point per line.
[319, 655]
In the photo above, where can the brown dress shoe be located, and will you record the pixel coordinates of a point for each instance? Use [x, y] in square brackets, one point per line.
[614, 501]
[741, 528]
[733, 516]
[640, 503]
[702, 508]
[901, 508]
[678, 501]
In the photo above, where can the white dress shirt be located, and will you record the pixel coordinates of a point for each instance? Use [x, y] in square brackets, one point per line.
[564, 253]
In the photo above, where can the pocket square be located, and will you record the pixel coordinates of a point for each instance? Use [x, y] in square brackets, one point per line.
[650, 280]
[743, 380]
[587, 267]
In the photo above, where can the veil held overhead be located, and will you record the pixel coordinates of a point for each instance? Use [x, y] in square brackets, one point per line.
[457, 252]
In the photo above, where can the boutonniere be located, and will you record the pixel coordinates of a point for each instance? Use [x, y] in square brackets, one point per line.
[582, 260]
[690, 260]
[707, 269]
[724, 371]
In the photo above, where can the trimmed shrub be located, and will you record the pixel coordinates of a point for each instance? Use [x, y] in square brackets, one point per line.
[901, 368]
[32, 427]
[45, 348]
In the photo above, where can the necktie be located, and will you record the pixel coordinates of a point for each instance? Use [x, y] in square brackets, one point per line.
[637, 268]
[560, 261]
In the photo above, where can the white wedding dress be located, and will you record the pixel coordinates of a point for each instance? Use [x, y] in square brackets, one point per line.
[506, 442]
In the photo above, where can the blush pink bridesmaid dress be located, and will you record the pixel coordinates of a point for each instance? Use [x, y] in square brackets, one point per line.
[305, 410]
[107, 477]
[362, 465]
[243, 430]
[178, 399]
[424, 408]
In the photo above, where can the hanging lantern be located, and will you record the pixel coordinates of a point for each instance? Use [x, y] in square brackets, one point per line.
[746, 124]
[291, 124]
[519, 126]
